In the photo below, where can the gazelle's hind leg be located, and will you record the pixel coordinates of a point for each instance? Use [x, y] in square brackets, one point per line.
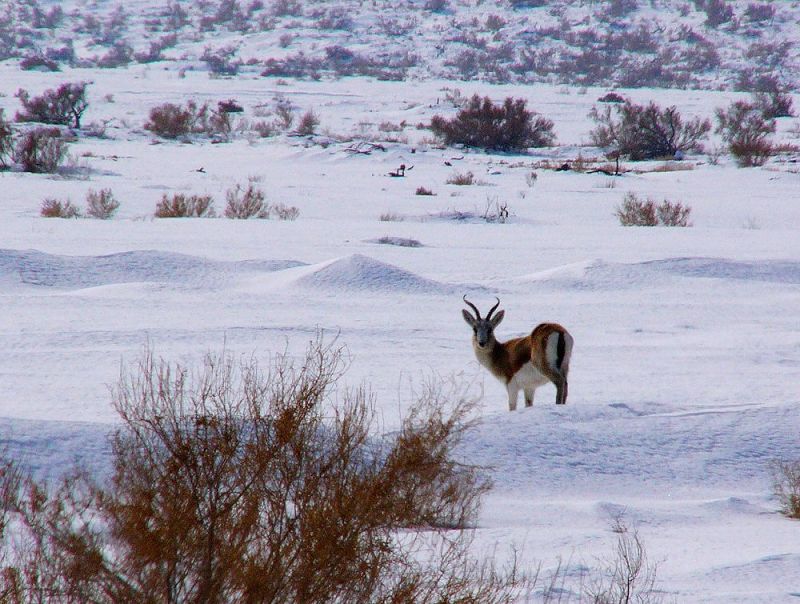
[561, 391]
[513, 391]
[529, 392]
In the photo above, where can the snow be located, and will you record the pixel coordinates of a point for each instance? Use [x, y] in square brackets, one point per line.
[686, 368]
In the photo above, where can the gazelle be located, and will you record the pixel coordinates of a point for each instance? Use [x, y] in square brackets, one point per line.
[522, 363]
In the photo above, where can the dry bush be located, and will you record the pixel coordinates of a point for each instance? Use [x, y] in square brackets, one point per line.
[628, 576]
[507, 127]
[170, 120]
[231, 483]
[673, 166]
[461, 179]
[6, 141]
[283, 212]
[64, 105]
[391, 217]
[185, 206]
[246, 203]
[636, 212]
[774, 104]
[786, 486]
[101, 204]
[747, 132]
[423, 191]
[398, 241]
[646, 132]
[308, 123]
[40, 150]
[55, 208]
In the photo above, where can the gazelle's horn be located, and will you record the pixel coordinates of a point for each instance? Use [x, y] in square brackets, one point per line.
[489, 314]
[473, 307]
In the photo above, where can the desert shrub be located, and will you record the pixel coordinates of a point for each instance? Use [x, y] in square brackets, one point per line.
[55, 208]
[611, 97]
[284, 212]
[717, 12]
[774, 104]
[185, 206]
[628, 575]
[101, 204]
[170, 120]
[423, 191]
[234, 484]
[222, 61]
[6, 141]
[646, 132]
[461, 179]
[119, 55]
[243, 203]
[64, 106]
[229, 106]
[507, 127]
[747, 133]
[308, 123]
[637, 212]
[761, 11]
[40, 150]
[38, 62]
[398, 241]
[786, 486]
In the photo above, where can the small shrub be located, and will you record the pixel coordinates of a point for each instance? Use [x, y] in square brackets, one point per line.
[506, 127]
[6, 141]
[185, 206]
[756, 12]
[55, 208]
[461, 179]
[774, 104]
[391, 217]
[423, 191]
[611, 97]
[398, 241]
[170, 120]
[284, 212]
[747, 132]
[636, 212]
[646, 132]
[101, 204]
[41, 150]
[63, 106]
[246, 203]
[308, 123]
[786, 486]
[222, 61]
[717, 12]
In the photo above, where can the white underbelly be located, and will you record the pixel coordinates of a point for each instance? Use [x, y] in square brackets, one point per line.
[528, 377]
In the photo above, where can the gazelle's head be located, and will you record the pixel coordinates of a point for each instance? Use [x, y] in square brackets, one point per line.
[483, 329]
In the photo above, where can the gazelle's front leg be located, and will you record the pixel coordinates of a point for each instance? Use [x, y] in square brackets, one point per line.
[513, 391]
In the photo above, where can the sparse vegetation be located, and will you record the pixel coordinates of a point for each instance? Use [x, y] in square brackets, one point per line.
[101, 204]
[638, 212]
[171, 121]
[55, 208]
[786, 486]
[62, 106]
[246, 202]
[647, 132]
[185, 206]
[6, 142]
[507, 127]
[308, 123]
[398, 241]
[423, 191]
[40, 150]
[232, 483]
[461, 179]
[747, 132]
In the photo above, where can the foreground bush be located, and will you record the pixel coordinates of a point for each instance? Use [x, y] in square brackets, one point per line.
[236, 484]
[101, 204]
[63, 106]
[6, 141]
[786, 486]
[185, 206]
[55, 208]
[646, 132]
[636, 212]
[506, 127]
[747, 132]
[246, 203]
[40, 150]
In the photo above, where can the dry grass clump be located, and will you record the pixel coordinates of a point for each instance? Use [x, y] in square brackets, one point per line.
[243, 203]
[423, 191]
[234, 483]
[636, 212]
[101, 204]
[461, 179]
[55, 208]
[40, 150]
[786, 486]
[185, 206]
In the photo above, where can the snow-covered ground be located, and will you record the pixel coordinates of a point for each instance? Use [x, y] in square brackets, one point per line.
[685, 379]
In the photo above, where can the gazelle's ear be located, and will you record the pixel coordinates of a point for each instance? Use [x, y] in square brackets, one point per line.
[468, 318]
[495, 320]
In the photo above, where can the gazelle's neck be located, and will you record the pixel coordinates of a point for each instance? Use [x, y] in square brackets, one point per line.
[493, 356]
